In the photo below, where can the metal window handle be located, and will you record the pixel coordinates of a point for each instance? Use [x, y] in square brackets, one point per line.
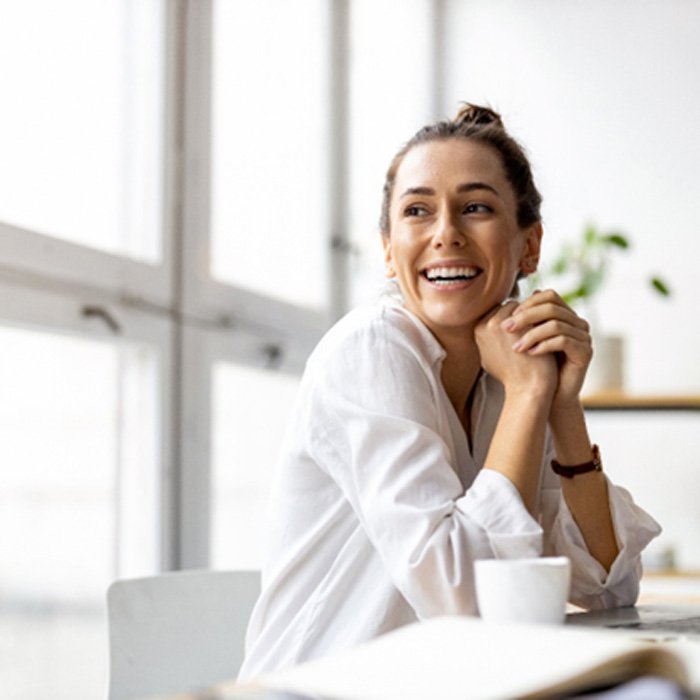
[89, 311]
[273, 355]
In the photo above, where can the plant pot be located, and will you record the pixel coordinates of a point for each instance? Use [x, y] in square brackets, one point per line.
[606, 371]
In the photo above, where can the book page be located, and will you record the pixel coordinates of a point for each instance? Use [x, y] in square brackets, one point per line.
[456, 657]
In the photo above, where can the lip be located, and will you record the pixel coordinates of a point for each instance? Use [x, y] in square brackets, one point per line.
[454, 286]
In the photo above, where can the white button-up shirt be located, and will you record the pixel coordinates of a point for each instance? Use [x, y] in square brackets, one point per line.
[380, 507]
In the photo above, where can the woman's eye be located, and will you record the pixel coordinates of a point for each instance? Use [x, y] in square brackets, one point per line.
[477, 208]
[415, 210]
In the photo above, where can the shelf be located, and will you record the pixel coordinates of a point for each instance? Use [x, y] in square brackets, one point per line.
[626, 402]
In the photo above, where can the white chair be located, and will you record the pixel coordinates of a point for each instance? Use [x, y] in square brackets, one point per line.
[179, 631]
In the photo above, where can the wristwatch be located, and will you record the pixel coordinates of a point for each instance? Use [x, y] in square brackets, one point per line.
[569, 472]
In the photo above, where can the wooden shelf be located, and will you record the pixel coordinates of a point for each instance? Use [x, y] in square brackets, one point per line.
[627, 402]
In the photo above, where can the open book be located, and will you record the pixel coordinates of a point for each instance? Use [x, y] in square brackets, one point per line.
[461, 657]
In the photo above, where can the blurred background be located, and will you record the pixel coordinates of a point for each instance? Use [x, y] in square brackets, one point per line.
[189, 196]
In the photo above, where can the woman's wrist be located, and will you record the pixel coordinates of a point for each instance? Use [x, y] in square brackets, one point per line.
[571, 440]
[537, 391]
[567, 405]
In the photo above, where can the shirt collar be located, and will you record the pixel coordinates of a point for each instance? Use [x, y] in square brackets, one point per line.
[431, 346]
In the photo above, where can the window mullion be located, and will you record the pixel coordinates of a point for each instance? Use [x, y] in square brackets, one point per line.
[191, 84]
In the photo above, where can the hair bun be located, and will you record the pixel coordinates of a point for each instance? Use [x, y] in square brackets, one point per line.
[474, 115]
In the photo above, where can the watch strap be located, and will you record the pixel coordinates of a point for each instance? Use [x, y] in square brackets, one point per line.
[569, 472]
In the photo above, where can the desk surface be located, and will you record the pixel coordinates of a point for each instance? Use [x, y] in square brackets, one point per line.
[641, 617]
[230, 691]
[678, 593]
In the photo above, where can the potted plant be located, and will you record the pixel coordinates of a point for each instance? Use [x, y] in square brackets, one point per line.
[578, 272]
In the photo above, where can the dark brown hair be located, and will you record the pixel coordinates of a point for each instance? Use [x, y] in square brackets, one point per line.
[482, 125]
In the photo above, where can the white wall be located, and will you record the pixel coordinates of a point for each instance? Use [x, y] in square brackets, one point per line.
[605, 97]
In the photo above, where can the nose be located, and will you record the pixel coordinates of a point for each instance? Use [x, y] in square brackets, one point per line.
[448, 233]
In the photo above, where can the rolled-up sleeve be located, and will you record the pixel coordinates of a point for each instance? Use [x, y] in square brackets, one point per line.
[495, 504]
[592, 586]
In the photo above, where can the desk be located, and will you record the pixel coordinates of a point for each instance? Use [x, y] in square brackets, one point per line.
[231, 691]
[451, 657]
[663, 595]
[679, 589]
[649, 619]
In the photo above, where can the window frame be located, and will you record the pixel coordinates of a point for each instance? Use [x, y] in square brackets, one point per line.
[63, 313]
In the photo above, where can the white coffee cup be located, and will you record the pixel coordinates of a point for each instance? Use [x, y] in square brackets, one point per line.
[523, 590]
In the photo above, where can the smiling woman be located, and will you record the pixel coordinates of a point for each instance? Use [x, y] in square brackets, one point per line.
[442, 428]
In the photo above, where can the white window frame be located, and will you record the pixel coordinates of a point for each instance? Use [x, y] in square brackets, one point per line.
[205, 297]
[46, 310]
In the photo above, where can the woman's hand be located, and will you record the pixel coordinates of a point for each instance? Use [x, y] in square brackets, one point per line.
[543, 325]
[519, 371]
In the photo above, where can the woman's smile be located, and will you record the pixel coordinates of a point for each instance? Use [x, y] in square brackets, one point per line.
[450, 275]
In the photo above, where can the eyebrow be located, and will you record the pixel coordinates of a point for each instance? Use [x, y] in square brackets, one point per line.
[465, 187]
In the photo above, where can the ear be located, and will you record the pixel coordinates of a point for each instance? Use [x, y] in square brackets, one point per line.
[388, 260]
[531, 253]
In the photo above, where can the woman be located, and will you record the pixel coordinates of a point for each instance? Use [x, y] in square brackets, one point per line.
[428, 430]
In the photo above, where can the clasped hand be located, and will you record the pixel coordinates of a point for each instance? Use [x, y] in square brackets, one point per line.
[538, 344]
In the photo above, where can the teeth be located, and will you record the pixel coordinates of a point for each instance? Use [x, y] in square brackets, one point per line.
[441, 274]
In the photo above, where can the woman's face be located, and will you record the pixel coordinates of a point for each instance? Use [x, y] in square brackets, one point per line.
[454, 244]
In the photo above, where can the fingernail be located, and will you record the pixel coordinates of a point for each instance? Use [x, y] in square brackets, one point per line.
[518, 345]
[508, 324]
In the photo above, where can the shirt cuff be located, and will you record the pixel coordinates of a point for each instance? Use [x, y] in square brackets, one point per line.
[494, 503]
[634, 529]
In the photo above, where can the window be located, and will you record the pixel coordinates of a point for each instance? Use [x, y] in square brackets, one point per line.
[86, 448]
[81, 135]
[80, 464]
[251, 408]
[268, 132]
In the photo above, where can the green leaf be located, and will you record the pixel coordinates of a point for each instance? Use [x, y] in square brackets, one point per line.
[617, 239]
[584, 263]
[660, 286]
[574, 295]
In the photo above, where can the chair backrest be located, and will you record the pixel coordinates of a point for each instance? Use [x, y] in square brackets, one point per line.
[179, 631]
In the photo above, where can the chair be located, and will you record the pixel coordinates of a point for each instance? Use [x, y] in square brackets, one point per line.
[179, 631]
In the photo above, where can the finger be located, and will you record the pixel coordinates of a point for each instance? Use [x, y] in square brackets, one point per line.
[523, 317]
[547, 299]
[548, 330]
[576, 351]
[543, 296]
